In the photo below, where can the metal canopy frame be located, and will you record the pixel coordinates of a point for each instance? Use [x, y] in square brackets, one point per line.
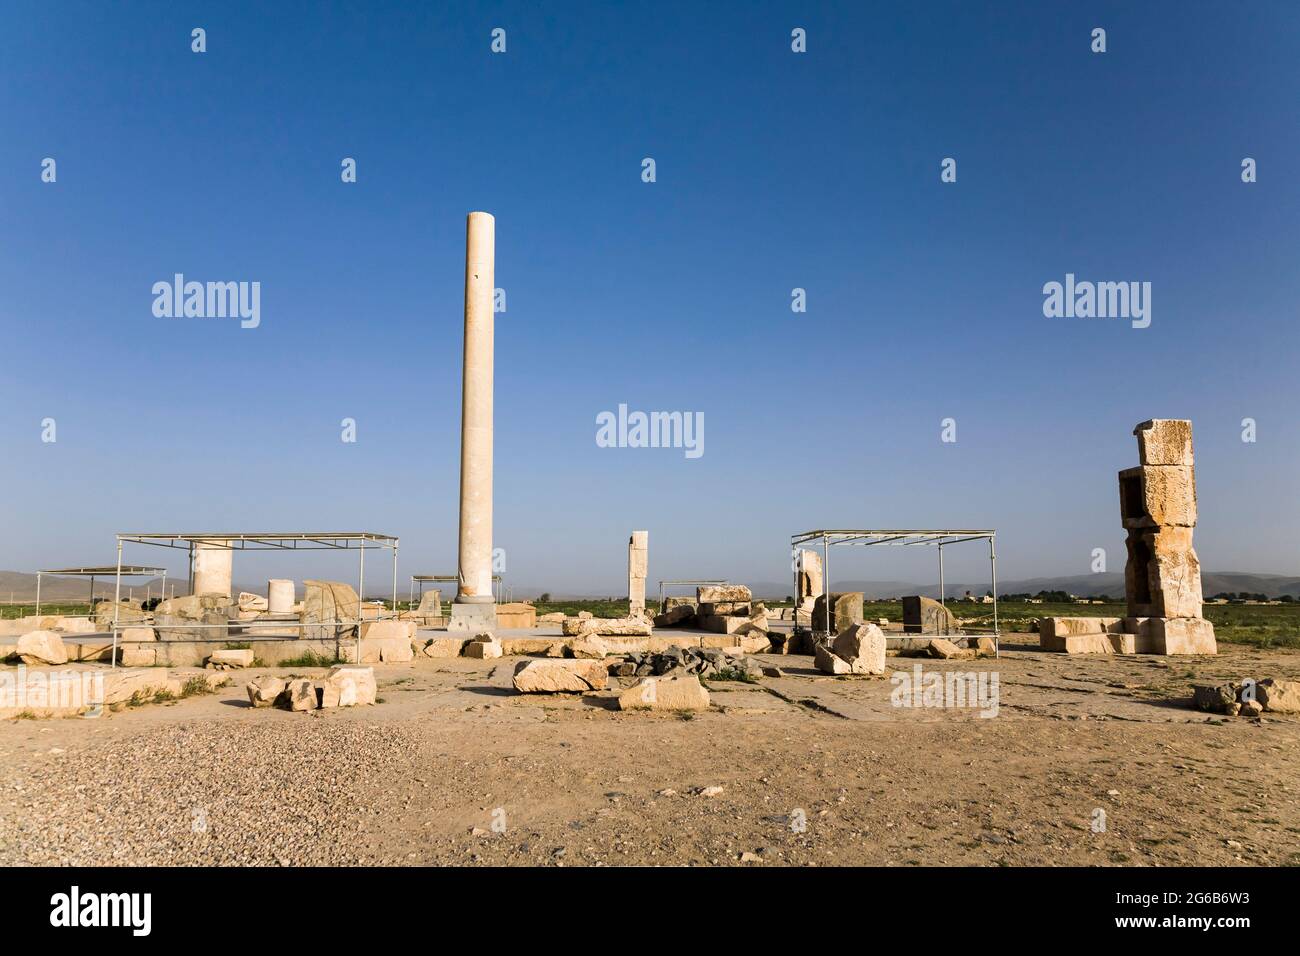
[423, 579]
[663, 584]
[100, 571]
[938, 538]
[360, 541]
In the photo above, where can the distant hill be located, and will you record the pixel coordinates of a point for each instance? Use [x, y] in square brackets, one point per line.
[1109, 584]
[54, 588]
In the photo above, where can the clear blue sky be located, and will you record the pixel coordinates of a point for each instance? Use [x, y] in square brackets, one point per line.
[774, 171]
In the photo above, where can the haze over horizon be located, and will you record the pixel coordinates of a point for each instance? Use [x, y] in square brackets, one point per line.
[774, 171]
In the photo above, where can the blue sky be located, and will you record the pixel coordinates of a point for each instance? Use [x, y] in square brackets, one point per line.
[775, 170]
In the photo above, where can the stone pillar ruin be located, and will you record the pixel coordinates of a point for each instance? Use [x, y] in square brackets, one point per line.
[1162, 576]
[279, 596]
[213, 567]
[810, 586]
[473, 608]
[638, 563]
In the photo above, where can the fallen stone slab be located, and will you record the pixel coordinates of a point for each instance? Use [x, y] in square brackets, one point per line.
[665, 693]
[395, 649]
[946, 650]
[348, 685]
[514, 646]
[230, 657]
[42, 647]
[723, 594]
[612, 626]
[1094, 643]
[1065, 626]
[560, 676]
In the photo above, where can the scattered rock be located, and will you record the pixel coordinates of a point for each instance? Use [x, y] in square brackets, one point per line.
[1279, 696]
[1221, 699]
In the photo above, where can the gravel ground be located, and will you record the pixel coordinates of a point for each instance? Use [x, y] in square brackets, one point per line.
[281, 793]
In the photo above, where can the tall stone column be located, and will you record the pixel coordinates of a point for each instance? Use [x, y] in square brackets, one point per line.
[474, 608]
[638, 547]
[213, 568]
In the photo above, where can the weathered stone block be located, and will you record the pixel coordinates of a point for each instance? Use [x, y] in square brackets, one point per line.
[863, 647]
[300, 694]
[665, 693]
[517, 614]
[1164, 441]
[445, 646]
[348, 685]
[923, 615]
[231, 657]
[1279, 696]
[617, 626]
[1065, 626]
[264, 691]
[329, 601]
[1183, 635]
[483, 650]
[211, 610]
[828, 662]
[846, 610]
[1158, 496]
[721, 593]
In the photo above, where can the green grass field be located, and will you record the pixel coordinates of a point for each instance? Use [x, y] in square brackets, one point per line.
[1263, 625]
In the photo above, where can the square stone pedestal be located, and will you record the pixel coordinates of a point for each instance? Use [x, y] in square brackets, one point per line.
[473, 619]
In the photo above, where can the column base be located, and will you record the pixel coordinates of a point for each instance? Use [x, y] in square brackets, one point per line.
[473, 618]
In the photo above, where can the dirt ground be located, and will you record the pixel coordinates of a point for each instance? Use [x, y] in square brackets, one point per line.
[454, 767]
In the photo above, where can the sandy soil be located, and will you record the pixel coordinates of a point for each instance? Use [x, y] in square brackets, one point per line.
[453, 767]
